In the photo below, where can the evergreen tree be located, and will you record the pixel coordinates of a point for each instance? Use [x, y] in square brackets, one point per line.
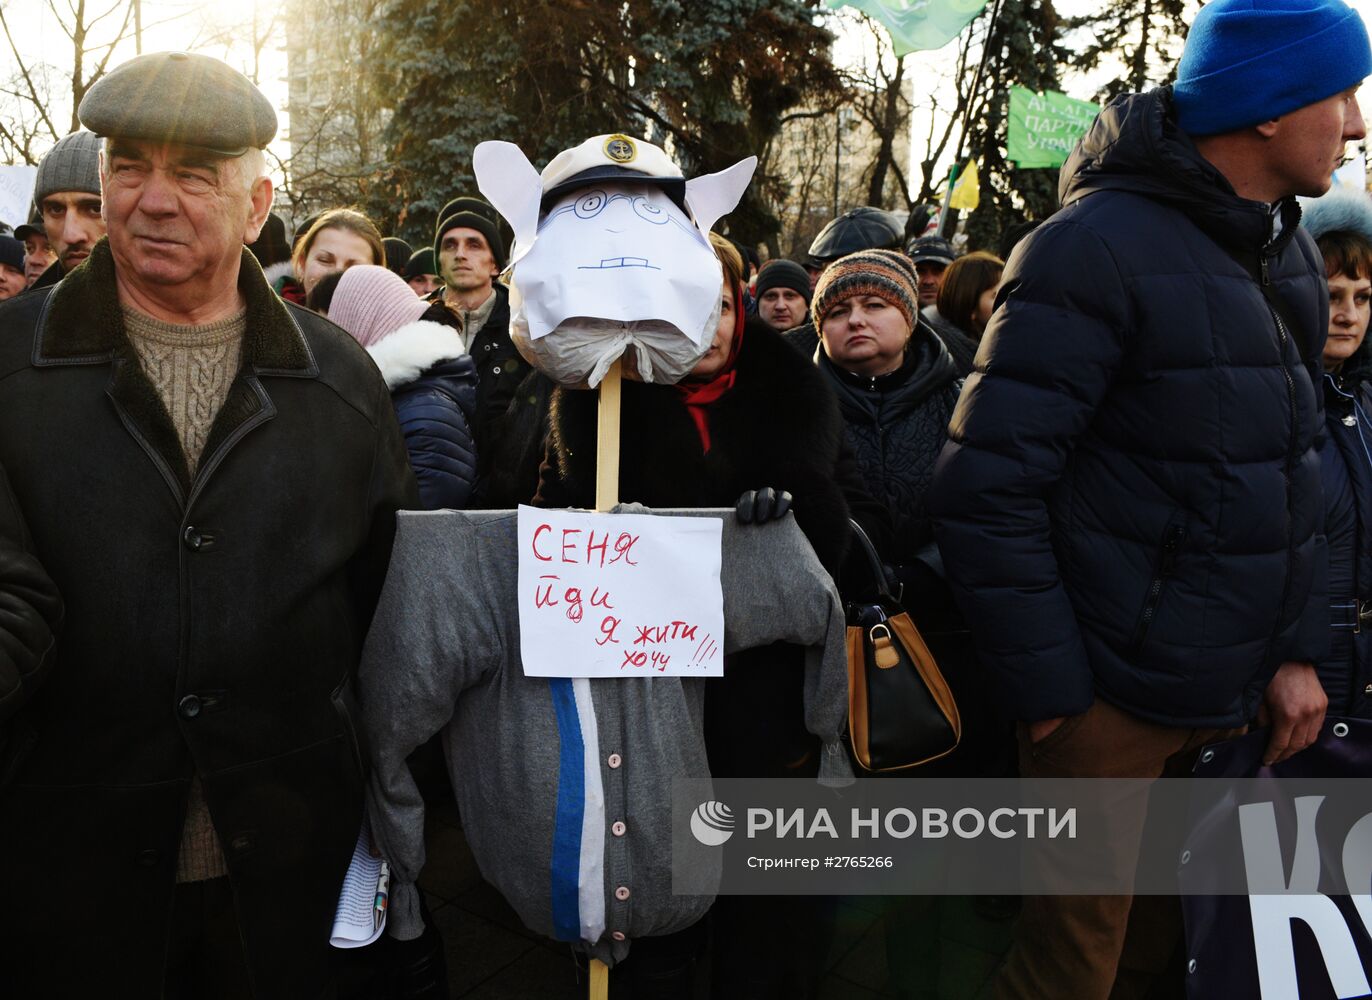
[1024, 48]
[1144, 37]
[710, 80]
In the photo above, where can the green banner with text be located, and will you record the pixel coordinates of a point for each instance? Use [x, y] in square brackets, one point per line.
[1044, 127]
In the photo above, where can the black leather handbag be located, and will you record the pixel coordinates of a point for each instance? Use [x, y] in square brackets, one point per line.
[901, 712]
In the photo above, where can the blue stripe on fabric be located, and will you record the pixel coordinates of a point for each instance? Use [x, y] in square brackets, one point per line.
[571, 806]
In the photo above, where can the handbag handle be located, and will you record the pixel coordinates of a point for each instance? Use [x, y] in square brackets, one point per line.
[874, 563]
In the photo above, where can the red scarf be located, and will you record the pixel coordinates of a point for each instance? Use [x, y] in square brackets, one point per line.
[699, 395]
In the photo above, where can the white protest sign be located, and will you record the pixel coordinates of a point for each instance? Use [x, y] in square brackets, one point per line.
[16, 194]
[619, 595]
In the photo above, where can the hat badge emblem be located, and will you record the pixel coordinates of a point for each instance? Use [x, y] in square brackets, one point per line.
[620, 148]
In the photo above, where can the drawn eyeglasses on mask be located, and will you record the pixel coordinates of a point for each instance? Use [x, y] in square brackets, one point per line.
[602, 273]
[593, 203]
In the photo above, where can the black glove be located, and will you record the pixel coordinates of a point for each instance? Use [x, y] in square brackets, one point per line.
[761, 506]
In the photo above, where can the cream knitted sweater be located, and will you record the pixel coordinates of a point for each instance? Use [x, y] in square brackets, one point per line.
[192, 368]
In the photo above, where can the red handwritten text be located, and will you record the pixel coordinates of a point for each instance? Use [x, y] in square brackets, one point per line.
[599, 549]
[545, 598]
[652, 634]
[607, 629]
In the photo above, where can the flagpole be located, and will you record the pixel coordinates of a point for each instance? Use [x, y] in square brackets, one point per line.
[947, 196]
[967, 117]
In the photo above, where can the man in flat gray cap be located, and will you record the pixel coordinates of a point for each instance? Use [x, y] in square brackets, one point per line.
[66, 193]
[211, 477]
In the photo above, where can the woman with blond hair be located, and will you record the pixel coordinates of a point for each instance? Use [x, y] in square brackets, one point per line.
[339, 239]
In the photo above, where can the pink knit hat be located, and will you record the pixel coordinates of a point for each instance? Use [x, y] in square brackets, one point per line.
[372, 302]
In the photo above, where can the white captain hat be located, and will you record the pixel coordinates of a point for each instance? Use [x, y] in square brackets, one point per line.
[615, 157]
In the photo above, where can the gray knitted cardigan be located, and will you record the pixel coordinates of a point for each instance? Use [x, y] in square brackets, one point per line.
[546, 771]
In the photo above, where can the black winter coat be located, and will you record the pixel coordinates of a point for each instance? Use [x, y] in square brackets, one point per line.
[1129, 504]
[778, 426]
[498, 365]
[516, 443]
[30, 615]
[214, 623]
[961, 347]
[433, 388]
[896, 426]
[1346, 470]
[51, 276]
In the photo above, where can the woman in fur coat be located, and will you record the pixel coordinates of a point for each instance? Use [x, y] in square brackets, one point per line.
[753, 426]
[1341, 222]
[432, 380]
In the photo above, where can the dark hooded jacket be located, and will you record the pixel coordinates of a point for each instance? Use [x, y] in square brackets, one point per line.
[896, 425]
[1346, 470]
[962, 348]
[498, 364]
[511, 406]
[433, 388]
[1129, 505]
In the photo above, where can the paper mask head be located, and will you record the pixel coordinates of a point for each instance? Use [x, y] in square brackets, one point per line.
[606, 258]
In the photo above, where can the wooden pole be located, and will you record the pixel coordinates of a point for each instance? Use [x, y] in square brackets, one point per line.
[607, 441]
[600, 980]
[606, 496]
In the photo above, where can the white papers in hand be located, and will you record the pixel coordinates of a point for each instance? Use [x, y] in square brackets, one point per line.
[359, 920]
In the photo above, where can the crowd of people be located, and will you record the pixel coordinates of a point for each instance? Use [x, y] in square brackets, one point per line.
[1120, 471]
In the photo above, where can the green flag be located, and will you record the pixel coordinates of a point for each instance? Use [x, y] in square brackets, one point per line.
[1044, 127]
[917, 25]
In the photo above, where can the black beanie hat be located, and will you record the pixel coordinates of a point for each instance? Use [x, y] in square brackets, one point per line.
[397, 254]
[781, 273]
[12, 252]
[303, 229]
[421, 262]
[270, 246]
[471, 213]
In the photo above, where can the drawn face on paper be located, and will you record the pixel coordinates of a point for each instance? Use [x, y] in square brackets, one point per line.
[611, 267]
[620, 253]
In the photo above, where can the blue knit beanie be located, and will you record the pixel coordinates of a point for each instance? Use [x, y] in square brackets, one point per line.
[1248, 61]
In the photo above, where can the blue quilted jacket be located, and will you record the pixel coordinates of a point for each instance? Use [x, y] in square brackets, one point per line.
[1129, 505]
[433, 388]
[1346, 469]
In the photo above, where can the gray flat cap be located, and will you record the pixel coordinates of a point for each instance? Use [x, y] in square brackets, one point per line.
[72, 165]
[183, 98]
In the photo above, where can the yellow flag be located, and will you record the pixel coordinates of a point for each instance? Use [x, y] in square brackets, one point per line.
[967, 189]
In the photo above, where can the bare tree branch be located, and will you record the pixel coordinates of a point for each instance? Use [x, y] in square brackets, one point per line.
[39, 104]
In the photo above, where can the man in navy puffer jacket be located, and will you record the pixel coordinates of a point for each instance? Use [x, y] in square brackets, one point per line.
[1129, 505]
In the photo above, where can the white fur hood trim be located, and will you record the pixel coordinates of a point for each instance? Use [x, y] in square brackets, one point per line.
[413, 350]
[279, 270]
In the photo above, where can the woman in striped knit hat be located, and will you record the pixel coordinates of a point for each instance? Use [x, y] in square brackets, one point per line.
[897, 385]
